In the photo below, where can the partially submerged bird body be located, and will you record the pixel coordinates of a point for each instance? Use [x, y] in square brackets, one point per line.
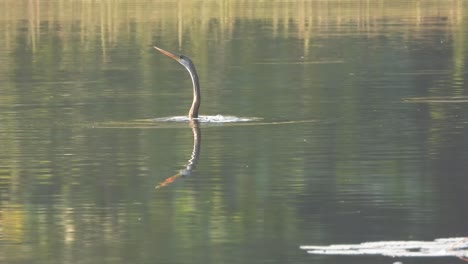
[188, 64]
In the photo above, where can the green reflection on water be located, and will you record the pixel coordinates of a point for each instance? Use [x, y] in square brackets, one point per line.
[369, 165]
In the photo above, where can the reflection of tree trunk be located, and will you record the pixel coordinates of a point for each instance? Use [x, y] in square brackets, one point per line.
[192, 162]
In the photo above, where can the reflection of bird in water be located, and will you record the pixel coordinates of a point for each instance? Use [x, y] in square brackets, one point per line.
[188, 64]
[187, 171]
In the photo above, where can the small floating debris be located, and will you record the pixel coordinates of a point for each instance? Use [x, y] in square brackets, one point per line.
[433, 99]
[442, 247]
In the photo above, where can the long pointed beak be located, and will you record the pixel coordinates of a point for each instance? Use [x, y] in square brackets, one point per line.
[167, 53]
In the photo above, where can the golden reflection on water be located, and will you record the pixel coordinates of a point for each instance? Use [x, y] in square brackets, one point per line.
[105, 22]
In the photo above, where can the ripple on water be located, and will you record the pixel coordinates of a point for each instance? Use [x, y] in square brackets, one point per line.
[208, 119]
[181, 121]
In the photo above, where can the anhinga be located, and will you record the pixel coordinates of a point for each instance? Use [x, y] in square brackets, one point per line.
[188, 64]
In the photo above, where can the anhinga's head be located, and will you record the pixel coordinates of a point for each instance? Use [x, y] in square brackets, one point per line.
[182, 59]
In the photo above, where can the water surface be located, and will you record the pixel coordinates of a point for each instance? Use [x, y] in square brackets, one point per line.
[362, 138]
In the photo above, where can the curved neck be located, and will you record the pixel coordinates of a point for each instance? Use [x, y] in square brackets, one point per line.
[193, 112]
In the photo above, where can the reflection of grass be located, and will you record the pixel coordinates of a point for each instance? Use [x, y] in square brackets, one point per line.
[106, 22]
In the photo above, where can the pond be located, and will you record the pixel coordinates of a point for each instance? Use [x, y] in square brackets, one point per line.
[358, 131]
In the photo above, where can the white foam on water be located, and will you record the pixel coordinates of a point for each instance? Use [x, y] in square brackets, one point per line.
[208, 119]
